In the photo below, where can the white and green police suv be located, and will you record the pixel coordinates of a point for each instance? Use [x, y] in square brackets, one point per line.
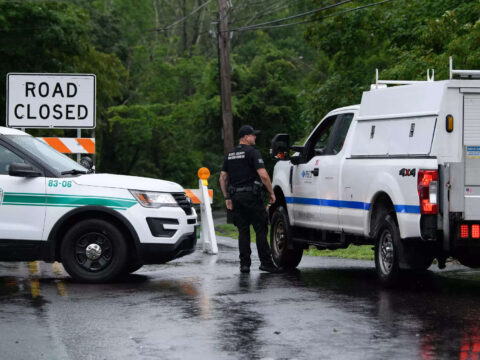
[99, 226]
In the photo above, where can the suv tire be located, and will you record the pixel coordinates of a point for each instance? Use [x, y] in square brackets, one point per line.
[94, 251]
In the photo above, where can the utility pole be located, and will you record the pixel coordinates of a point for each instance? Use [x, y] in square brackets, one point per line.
[226, 88]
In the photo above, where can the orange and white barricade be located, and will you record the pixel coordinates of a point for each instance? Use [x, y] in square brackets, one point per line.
[204, 197]
[71, 145]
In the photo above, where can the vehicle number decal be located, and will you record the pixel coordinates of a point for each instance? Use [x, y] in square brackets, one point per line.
[56, 183]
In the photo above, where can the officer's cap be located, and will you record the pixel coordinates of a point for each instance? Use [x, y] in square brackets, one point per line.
[247, 130]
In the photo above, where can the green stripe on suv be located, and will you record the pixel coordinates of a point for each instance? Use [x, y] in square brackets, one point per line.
[56, 200]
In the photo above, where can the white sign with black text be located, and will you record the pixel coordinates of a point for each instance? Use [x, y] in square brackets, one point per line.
[51, 100]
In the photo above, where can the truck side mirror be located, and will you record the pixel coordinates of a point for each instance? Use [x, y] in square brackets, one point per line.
[280, 149]
[23, 170]
[298, 158]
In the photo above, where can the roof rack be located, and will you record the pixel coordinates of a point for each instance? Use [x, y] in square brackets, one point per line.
[464, 74]
[383, 83]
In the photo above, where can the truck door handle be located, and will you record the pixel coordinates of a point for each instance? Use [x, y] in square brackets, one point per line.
[315, 172]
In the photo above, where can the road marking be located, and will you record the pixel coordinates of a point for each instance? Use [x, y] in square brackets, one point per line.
[33, 267]
[62, 289]
[57, 268]
[35, 288]
[61, 286]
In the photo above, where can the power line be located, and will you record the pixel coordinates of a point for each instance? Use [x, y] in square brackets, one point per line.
[30, 1]
[258, 27]
[183, 18]
[291, 17]
[265, 12]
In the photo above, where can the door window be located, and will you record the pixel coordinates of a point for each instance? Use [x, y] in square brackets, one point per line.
[6, 158]
[341, 132]
[318, 144]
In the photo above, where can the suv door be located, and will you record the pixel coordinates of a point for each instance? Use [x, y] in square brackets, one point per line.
[22, 201]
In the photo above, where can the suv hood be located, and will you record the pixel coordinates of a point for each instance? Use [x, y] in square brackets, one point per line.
[127, 182]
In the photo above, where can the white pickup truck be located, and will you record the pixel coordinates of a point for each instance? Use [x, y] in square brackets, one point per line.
[99, 226]
[400, 171]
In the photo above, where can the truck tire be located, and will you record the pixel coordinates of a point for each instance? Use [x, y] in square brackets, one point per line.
[386, 251]
[280, 238]
[94, 251]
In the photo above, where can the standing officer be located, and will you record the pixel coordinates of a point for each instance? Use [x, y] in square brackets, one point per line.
[241, 179]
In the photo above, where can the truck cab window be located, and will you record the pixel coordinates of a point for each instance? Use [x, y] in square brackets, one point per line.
[318, 143]
[341, 132]
[6, 158]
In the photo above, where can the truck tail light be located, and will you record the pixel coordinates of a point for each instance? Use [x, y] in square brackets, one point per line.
[427, 191]
[470, 231]
[476, 231]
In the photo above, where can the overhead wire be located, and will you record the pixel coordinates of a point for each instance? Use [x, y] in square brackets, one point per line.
[176, 22]
[29, 1]
[261, 27]
[266, 12]
[293, 16]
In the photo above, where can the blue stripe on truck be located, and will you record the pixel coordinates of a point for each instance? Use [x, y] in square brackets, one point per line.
[409, 209]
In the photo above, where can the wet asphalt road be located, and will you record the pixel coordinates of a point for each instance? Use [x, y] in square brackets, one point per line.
[200, 307]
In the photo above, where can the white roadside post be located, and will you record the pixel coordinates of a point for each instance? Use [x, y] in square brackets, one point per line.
[208, 231]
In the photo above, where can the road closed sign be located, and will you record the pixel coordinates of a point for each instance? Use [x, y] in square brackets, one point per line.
[51, 100]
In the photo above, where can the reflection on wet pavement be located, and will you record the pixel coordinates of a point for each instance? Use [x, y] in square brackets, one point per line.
[201, 307]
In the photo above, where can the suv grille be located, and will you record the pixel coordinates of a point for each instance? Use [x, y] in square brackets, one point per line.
[183, 202]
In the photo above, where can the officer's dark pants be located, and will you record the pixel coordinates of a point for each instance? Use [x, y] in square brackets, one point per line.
[248, 209]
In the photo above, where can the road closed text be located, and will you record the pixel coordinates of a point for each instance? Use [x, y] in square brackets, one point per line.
[51, 100]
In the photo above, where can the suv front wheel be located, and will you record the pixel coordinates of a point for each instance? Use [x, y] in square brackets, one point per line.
[94, 251]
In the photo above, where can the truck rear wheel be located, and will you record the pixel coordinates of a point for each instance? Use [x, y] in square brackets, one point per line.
[386, 251]
[94, 251]
[280, 239]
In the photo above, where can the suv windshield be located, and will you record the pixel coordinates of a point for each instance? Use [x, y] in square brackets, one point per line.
[52, 157]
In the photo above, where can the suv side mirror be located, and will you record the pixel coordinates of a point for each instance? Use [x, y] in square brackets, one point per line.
[23, 170]
[87, 163]
[280, 149]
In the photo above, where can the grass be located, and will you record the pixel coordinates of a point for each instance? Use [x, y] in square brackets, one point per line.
[363, 252]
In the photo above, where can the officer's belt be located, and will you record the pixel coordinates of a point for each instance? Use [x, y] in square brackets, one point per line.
[243, 189]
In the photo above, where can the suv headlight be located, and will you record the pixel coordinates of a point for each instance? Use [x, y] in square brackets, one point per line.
[154, 199]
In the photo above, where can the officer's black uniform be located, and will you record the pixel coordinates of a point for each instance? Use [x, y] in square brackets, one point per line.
[241, 164]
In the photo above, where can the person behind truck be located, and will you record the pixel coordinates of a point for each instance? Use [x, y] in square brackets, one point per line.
[241, 179]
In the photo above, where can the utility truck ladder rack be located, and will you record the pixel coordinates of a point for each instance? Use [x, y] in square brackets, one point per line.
[464, 74]
[383, 83]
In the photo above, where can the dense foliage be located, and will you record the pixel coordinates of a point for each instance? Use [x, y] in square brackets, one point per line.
[158, 102]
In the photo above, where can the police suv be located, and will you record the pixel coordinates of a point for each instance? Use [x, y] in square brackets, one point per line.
[400, 171]
[99, 226]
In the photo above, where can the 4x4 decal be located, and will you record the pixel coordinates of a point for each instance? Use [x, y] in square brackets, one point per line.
[407, 172]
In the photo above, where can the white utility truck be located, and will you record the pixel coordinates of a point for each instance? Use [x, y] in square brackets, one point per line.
[400, 171]
[99, 226]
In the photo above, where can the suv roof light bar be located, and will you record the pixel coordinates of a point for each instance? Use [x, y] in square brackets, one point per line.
[464, 74]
